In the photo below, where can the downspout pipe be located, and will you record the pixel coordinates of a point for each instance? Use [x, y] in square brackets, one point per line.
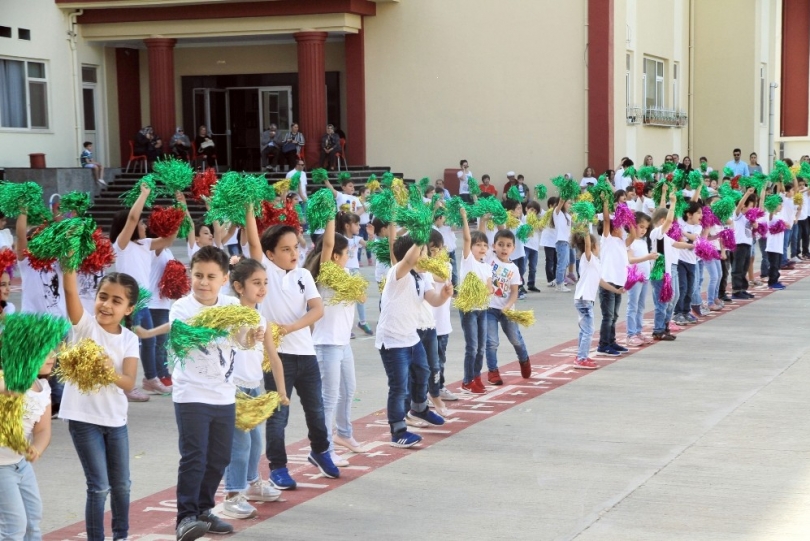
[73, 37]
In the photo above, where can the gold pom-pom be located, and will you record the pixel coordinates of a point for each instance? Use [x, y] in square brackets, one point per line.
[490, 225]
[373, 186]
[436, 265]
[400, 192]
[231, 318]
[795, 169]
[252, 411]
[512, 222]
[381, 285]
[278, 335]
[524, 318]
[545, 219]
[585, 196]
[534, 221]
[86, 365]
[472, 294]
[345, 207]
[580, 227]
[282, 187]
[347, 288]
[798, 199]
[12, 435]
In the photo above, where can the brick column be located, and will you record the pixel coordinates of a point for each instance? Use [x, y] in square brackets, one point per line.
[311, 92]
[355, 98]
[600, 84]
[161, 86]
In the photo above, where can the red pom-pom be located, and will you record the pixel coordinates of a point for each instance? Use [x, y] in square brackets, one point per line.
[164, 222]
[174, 283]
[202, 184]
[669, 177]
[39, 265]
[271, 216]
[735, 182]
[7, 259]
[101, 258]
[639, 188]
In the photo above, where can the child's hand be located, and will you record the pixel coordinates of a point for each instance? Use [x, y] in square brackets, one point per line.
[447, 290]
[181, 198]
[672, 195]
[140, 332]
[653, 256]
[370, 231]
[32, 454]
[145, 189]
[621, 291]
[283, 399]
[463, 212]
[749, 191]
[258, 335]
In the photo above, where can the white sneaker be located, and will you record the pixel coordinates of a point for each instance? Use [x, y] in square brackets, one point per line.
[447, 396]
[563, 289]
[416, 422]
[262, 491]
[337, 460]
[155, 386]
[238, 507]
[552, 283]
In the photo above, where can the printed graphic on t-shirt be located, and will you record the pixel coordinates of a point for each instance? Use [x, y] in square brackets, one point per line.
[88, 284]
[353, 244]
[209, 371]
[749, 229]
[51, 289]
[501, 279]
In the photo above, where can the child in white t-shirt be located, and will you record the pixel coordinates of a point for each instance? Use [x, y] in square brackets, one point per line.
[532, 248]
[548, 240]
[638, 254]
[614, 275]
[518, 256]
[348, 225]
[562, 224]
[441, 316]
[6, 239]
[449, 239]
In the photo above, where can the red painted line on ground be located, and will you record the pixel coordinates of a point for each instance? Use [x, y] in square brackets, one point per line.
[153, 518]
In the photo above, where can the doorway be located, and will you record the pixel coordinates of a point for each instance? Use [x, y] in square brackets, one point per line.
[211, 111]
[91, 125]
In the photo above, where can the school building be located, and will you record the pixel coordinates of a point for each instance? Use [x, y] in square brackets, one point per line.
[536, 86]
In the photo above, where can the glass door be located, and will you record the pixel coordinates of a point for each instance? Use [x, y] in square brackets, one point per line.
[90, 108]
[276, 107]
[211, 111]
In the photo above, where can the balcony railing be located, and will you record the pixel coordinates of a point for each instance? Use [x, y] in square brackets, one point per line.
[634, 115]
[667, 118]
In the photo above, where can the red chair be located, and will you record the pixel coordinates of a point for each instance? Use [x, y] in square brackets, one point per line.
[342, 155]
[195, 157]
[137, 159]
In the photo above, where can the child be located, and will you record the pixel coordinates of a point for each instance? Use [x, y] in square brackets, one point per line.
[427, 196]
[87, 161]
[441, 315]
[548, 240]
[474, 322]
[295, 306]
[532, 246]
[645, 202]
[401, 350]
[775, 241]
[505, 279]
[348, 225]
[614, 275]
[789, 211]
[6, 307]
[518, 253]
[687, 266]
[331, 336]
[6, 239]
[449, 240]
[379, 229]
[97, 421]
[365, 218]
[638, 254]
[42, 291]
[242, 480]
[159, 310]
[562, 224]
[743, 236]
[202, 234]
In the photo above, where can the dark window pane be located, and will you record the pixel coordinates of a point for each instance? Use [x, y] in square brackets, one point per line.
[39, 105]
[88, 96]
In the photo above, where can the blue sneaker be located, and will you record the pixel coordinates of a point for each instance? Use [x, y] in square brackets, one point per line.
[620, 349]
[778, 286]
[404, 439]
[280, 479]
[607, 350]
[323, 462]
[428, 416]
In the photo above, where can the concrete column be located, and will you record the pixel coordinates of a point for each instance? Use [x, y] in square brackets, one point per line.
[161, 86]
[311, 92]
[600, 84]
[355, 98]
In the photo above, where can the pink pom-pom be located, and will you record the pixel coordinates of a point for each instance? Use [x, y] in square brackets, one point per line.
[753, 214]
[705, 251]
[634, 276]
[623, 217]
[675, 232]
[761, 229]
[666, 289]
[779, 226]
[727, 239]
[709, 219]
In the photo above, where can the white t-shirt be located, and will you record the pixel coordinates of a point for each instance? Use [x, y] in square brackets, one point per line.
[354, 246]
[504, 276]
[620, 181]
[804, 212]
[335, 327]
[548, 236]
[562, 224]
[614, 260]
[742, 229]
[688, 256]
[193, 249]
[480, 268]
[587, 181]
[247, 366]
[380, 271]
[400, 310]
[590, 273]
[463, 183]
[646, 205]
[303, 184]
[448, 237]
[88, 287]
[426, 319]
[639, 249]
[441, 314]
[670, 252]
[42, 292]
[518, 252]
[6, 240]
[135, 260]
[355, 206]
[108, 406]
[9, 309]
[205, 376]
[774, 243]
[287, 303]
[155, 274]
[788, 210]
[36, 402]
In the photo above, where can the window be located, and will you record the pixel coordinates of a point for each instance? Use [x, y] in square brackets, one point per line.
[5, 31]
[628, 80]
[676, 94]
[653, 80]
[23, 94]
[762, 90]
[24, 33]
[89, 74]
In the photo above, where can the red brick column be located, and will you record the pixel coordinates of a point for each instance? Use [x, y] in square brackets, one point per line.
[355, 98]
[311, 92]
[795, 67]
[600, 84]
[161, 86]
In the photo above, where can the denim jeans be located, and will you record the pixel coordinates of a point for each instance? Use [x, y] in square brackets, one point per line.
[664, 310]
[20, 503]
[361, 307]
[363, 235]
[764, 265]
[686, 279]
[246, 452]
[794, 240]
[301, 372]
[512, 332]
[585, 309]
[474, 327]
[338, 383]
[454, 264]
[520, 263]
[430, 342]
[804, 237]
[550, 253]
[442, 340]
[609, 304]
[715, 269]
[144, 319]
[636, 298]
[786, 246]
[698, 285]
[408, 375]
[531, 259]
[205, 434]
[160, 316]
[774, 274]
[104, 454]
[563, 251]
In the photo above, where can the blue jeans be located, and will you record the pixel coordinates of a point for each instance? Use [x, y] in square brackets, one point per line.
[160, 316]
[364, 235]
[474, 327]
[442, 340]
[636, 298]
[104, 454]
[144, 319]
[686, 279]
[338, 384]
[512, 332]
[609, 304]
[408, 375]
[585, 309]
[698, 285]
[563, 251]
[794, 240]
[246, 451]
[664, 310]
[531, 258]
[430, 341]
[764, 265]
[361, 307]
[715, 270]
[520, 263]
[787, 240]
[454, 277]
[301, 373]
[20, 503]
[205, 434]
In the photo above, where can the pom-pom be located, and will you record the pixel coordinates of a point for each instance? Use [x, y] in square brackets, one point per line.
[70, 241]
[772, 202]
[602, 191]
[491, 206]
[400, 192]
[40, 265]
[798, 199]
[582, 212]
[727, 191]
[14, 197]
[658, 268]
[524, 318]
[723, 208]
[675, 232]
[540, 192]
[756, 181]
[347, 288]
[102, 257]
[184, 337]
[185, 228]
[380, 204]
[253, 411]
[278, 332]
[524, 232]
[511, 221]
[534, 221]
[203, 183]
[319, 175]
[295, 181]
[176, 175]
[568, 188]
[12, 435]
[87, 366]
[27, 340]
[514, 194]
[638, 187]
[705, 251]
[728, 172]
[545, 220]
[779, 226]
[666, 289]
[144, 296]
[472, 185]
[630, 172]
[714, 175]
[418, 220]
[727, 239]
[760, 229]
[681, 204]
[668, 167]
[174, 283]
[232, 319]
[623, 217]
[472, 294]
[679, 179]
[437, 265]
[231, 196]
[754, 214]
[286, 215]
[7, 259]
[381, 250]
[780, 173]
[381, 285]
[129, 197]
[373, 185]
[735, 182]
[647, 173]
[584, 196]
[708, 219]
[320, 209]
[658, 190]
[387, 179]
[635, 276]
[75, 202]
[164, 222]
[695, 179]
[415, 196]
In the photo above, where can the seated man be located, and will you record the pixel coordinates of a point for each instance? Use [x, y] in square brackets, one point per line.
[271, 147]
[330, 146]
[180, 144]
[88, 162]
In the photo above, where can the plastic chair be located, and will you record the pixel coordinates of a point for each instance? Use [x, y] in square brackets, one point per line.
[195, 157]
[342, 155]
[141, 158]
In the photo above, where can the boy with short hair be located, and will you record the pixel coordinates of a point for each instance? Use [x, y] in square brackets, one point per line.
[87, 161]
[743, 236]
[449, 239]
[614, 275]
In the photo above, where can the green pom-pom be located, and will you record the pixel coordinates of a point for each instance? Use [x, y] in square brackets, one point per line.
[418, 220]
[568, 188]
[583, 212]
[514, 194]
[704, 193]
[185, 228]
[540, 192]
[491, 206]
[387, 179]
[723, 208]
[270, 193]
[319, 175]
[382, 204]
[144, 296]
[452, 211]
[16, 196]
[679, 179]
[657, 272]
[728, 172]
[231, 196]
[415, 196]
[781, 172]
[602, 191]
[27, 340]
[434, 202]
[772, 202]
[714, 175]
[344, 176]
[703, 167]
[668, 167]
[129, 197]
[756, 181]
[70, 241]
[175, 175]
[320, 209]
[647, 173]
[524, 232]
[659, 189]
[630, 172]
[381, 250]
[76, 202]
[681, 205]
[694, 179]
[184, 337]
[726, 191]
[804, 171]
[424, 182]
[295, 181]
[472, 185]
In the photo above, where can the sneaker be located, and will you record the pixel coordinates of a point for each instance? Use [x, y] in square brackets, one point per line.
[238, 507]
[427, 416]
[155, 386]
[102, 182]
[479, 384]
[663, 336]
[634, 341]
[166, 380]
[135, 395]
[215, 524]
[521, 295]
[324, 463]
[534, 289]
[494, 377]
[690, 319]
[568, 281]
[365, 328]
[585, 364]
[726, 298]
[646, 339]
[525, 369]
[447, 396]
[280, 479]
[749, 295]
[349, 443]
[679, 320]
[563, 289]
[777, 286]
[571, 276]
[471, 388]
[404, 439]
[607, 350]
[337, 460]
[552, 283]
[619, 348]
[262, 491]
[740, 296]
[352, 336]
[756, 282]
[416, 423]
[715, 307]
[190, 529]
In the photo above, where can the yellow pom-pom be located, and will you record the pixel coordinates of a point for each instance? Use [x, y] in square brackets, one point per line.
[400, 192]
[798, 199]
[252, 411]
[231, 318]
[545, 219]
[438, 266]
[534, 221]
[282, 187]
[580, 227]
[524, 318]
[345, 207]
[490, 225]
[347, 288]
[373, 186]
[512, 222]
[472, 294]
[278, 334]
[585, 196]
[381, 285]
[794, 170]
[12, 435]
[86, 365]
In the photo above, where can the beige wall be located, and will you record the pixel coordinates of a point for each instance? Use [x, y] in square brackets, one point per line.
[498, 83]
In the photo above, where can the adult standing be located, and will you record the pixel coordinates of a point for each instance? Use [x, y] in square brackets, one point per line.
[271, 147]
[302, 185]
[753, 164]
[330, 147]
[737, 166]
[291, 146]
[464, 175]
[206, 146]
[510, 181]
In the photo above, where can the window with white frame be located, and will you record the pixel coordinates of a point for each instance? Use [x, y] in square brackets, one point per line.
[676, 91]
[653, 84]
[628, 80]
[23, 94]
[763, 89]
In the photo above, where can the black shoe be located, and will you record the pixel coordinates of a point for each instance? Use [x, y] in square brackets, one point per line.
[726, 298]
[190, 529]
[215, 524]
[748, 295]
[532, 288]
[742, 296]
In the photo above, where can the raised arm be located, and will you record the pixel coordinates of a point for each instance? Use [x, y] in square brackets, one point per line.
[252, 231]
[671, 214]
[328, 241]
[73, 303]
[465, 232]
[133, 218]
[743, 199]
[22, 234]
[409, 261]
[605, 218]
[663, 202]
